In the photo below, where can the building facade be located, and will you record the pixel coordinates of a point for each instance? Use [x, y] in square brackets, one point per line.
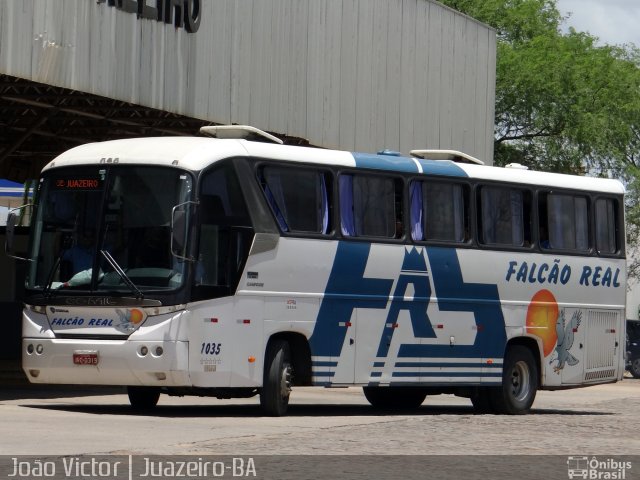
[351, 74]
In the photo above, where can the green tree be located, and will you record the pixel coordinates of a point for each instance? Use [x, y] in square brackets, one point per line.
[564, 102]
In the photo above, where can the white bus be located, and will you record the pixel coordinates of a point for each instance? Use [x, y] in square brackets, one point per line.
[231, 267]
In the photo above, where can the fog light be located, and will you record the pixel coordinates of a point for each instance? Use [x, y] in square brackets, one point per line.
[144, 351]
[39, 349]
[34, 373]
[161, 375]
[30, 349]
[159, 351]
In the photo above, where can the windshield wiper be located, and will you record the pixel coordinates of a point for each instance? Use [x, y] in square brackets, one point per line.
[118, 269]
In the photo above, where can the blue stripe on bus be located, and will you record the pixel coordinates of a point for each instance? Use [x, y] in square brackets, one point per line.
[420, 288]
[323, 374]
[445, 365]
[423, 375]
[348, 289]
[408, 164]
[378, 364]
[346, 280]
[452, 291]
[465, 383]
[322, 363]
[385, 162]
[375, 374]
[450, 169]
[348, 297]
[414, 350]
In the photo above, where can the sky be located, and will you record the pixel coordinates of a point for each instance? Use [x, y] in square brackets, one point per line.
[613, 21]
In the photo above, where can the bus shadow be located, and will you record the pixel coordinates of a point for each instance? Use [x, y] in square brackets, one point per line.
[253, 411]
[25, 392]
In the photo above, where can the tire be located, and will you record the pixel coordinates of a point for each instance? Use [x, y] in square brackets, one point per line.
[634, 367]
[519, 383]
[394, 398]
[143, 398]
[481, 400]
[276, 385]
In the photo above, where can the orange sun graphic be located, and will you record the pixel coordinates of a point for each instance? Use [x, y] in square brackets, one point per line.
[542, 316]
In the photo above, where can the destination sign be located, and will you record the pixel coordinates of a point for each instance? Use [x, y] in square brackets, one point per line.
[83, 183]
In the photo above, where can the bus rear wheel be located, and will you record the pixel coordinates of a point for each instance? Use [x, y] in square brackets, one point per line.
[143, 398]
[519, 383]
[394, 398]
[276, 385]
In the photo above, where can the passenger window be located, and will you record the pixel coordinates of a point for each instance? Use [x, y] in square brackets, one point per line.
[606, 231]
[505, 216]
[439, 211]
[564, 222]
[298, 198]
[370, 206]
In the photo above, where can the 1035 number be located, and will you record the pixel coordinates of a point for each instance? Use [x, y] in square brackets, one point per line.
[210, 348]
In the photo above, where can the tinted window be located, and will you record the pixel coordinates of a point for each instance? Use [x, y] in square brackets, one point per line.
[438, 211]
[221, 197]
[567, 222]
[370, 206]
[504, 216]
[606, 225]
[298, 198]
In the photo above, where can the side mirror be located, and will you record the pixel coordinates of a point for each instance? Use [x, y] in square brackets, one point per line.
[180, 215]
[13, 219]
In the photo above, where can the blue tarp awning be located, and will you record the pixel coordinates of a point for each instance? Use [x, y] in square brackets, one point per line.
[11, 189]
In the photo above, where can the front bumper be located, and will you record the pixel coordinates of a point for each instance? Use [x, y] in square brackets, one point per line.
[120, 362]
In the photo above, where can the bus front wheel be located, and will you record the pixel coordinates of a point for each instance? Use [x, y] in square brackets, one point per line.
[276, 385]
[519, 382]
[394, 398]
[143, 398]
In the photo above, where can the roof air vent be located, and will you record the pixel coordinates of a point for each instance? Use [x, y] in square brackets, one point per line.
[244, 132]
[453, 155]
[517, 166]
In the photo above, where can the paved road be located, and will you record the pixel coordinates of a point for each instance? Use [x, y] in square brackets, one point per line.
[601, 420]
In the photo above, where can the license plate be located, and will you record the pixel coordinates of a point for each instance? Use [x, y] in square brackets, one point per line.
[85, 358]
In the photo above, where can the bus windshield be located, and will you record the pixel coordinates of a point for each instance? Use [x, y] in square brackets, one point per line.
[107, 229]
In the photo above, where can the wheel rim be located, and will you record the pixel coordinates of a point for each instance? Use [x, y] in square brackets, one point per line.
[285, 381]
[520, 381]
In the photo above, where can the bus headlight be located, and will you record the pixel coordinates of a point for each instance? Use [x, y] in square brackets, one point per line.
[39, 349]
